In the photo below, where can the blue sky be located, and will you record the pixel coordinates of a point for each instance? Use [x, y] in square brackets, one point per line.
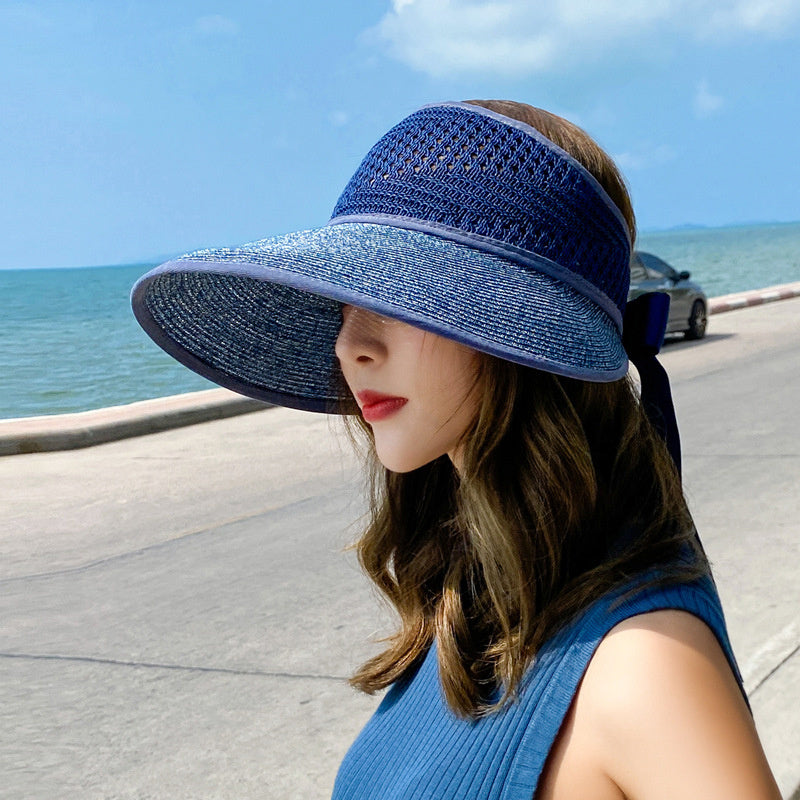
[131, 130]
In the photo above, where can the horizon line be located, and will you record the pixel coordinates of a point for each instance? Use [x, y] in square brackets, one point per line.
[160, 259]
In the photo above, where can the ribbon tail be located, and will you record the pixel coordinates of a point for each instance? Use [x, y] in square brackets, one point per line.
[645, 325]
[658, 405]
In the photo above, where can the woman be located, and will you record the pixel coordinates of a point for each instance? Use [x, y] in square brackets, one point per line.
[560, 635]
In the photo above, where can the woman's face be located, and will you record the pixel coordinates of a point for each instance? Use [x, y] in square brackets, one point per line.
[415, 389]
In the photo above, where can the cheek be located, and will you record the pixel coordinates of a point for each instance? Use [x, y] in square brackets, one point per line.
[449, 385]
[346, 371]
[455, 371]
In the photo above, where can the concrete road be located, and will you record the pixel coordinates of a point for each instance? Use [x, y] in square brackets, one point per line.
[178, 614]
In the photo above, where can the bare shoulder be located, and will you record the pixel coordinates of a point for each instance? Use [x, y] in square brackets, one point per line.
[661, 702]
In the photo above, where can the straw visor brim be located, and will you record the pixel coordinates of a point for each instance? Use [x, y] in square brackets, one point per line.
[262, 319]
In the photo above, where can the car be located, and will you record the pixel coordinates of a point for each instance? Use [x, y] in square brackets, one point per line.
[688, 307]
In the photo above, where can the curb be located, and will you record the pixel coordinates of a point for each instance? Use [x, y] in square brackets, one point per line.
[757, 297]
[88, 428]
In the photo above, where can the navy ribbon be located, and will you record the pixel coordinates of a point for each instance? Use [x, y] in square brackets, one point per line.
[643, 334]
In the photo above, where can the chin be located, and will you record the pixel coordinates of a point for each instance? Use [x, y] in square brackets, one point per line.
[402, 467]
[403, 462]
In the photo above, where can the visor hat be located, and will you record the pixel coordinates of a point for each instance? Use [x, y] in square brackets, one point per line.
[460, 221]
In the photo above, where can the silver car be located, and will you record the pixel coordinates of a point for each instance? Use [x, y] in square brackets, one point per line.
[688, 308]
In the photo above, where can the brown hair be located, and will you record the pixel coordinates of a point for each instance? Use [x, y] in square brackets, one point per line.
[564, 492]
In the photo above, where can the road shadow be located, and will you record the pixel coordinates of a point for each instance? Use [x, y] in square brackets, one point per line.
[677, 342]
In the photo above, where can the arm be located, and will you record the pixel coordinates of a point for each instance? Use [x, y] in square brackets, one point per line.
[669, 718]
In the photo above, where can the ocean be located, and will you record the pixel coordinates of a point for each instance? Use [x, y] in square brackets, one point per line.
[69, 342]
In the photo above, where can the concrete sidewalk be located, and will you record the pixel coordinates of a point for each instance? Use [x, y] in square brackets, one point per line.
[178, 617]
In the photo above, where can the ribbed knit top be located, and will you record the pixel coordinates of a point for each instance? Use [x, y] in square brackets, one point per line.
[414, 747]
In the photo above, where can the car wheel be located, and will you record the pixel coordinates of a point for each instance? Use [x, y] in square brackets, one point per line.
[697, 321]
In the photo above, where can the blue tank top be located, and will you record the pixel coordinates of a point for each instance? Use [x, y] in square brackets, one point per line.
[415, 748]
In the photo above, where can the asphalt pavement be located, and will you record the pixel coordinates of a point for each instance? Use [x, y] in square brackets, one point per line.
[178, 611]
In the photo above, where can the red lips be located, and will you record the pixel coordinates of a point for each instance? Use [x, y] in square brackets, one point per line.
[376, 406]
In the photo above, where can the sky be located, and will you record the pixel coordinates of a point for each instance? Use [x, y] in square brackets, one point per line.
[133, 131]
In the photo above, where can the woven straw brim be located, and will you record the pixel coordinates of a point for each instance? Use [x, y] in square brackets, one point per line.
[262, 319]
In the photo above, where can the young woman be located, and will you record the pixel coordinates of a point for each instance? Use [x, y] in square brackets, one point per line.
[560, 635]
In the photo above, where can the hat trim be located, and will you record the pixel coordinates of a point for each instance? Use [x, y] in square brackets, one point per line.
[525, 258]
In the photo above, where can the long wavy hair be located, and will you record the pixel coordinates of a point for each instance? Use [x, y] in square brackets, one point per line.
[564, 492]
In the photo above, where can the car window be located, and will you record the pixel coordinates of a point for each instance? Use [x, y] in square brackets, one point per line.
[656, 268]
[638, 272]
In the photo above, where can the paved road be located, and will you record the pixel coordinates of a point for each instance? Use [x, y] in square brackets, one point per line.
[177, 612]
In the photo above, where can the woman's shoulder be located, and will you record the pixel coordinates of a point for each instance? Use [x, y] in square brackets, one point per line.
[656, 658]
[659, 714]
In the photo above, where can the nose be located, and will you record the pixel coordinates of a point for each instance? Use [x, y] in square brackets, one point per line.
[361, 338]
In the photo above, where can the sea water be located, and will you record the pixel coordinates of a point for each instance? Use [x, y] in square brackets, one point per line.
[69, 342]
[735, 259]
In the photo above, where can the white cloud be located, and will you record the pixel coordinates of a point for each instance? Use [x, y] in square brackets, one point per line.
[215, 25]
[520, 37]
[644, 156]
[453, 36]
[339, 118]
[706, 104]
[768, 16]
